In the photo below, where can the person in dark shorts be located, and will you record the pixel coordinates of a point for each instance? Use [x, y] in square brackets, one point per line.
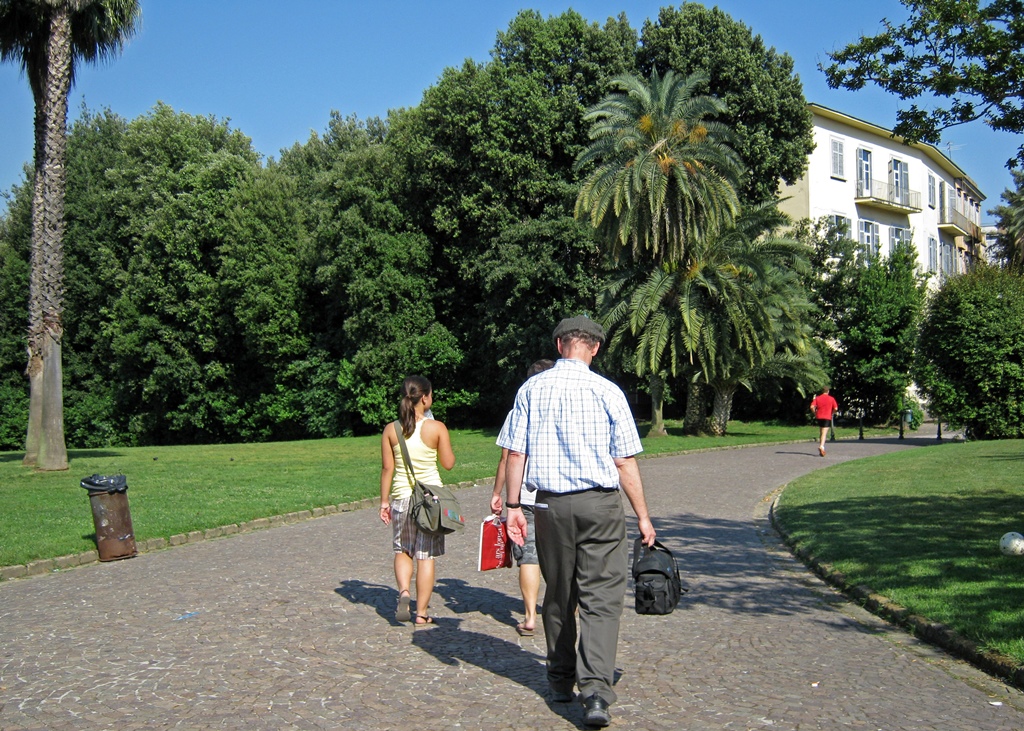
[824, 408]
[525, 555]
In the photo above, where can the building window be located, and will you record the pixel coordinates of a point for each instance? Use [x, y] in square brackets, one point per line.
[933, 254]
[931, 190]
[867, 236]
[842, 225]
[863, 173]
[898, 235]
[837, 159]
[899, 182]
[947, 262]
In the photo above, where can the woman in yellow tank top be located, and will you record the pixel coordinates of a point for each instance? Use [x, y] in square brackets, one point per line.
[428, 443]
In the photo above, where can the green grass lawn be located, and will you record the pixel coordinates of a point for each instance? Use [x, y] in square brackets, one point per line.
[922, 527]
[175, 490]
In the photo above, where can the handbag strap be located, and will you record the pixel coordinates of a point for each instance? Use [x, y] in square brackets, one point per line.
[405, 454]
[641, 551]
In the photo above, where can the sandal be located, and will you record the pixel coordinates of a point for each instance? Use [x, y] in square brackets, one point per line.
[524, 631]
[402, 614]
[423, 619]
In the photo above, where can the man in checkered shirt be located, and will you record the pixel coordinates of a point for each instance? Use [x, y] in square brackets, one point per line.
[579, 435]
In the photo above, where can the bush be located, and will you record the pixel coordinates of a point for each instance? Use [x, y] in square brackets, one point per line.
[970, 360]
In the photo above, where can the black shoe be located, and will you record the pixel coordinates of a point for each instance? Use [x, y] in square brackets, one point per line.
[561, 696]
[595, 712]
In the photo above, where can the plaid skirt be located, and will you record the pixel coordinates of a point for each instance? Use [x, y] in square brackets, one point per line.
[407, 537]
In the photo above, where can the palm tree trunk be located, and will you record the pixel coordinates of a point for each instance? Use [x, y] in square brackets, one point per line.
[722, 408]
[34, 369]
[52, 449]
[657, 407]
[694, 419]
[53, 453]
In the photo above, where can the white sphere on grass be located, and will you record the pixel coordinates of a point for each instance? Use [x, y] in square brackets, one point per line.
[1012, 544]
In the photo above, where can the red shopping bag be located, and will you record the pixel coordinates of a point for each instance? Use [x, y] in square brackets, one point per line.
[495, 545]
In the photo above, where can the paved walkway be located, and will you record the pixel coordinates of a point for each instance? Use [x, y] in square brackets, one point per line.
[292, 628]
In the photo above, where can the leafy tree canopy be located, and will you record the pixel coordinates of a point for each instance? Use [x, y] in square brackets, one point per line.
[487, 159]
[831, 281]
[877, 334]
[1009, 248]
[766, 108]
[970, 364]
[664, 174]
[966, 51]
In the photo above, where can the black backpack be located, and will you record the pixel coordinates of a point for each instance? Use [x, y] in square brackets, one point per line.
[656, 581]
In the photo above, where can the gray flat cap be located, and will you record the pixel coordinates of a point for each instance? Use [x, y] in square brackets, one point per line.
[581, 323]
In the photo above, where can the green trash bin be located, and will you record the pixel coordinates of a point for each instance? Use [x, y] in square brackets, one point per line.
[108, 497]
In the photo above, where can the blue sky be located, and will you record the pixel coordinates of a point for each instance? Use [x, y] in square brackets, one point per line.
[277, 69]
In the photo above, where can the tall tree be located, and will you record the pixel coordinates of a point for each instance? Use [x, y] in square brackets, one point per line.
[15, 238]
[488, 159]
[765, 106]
[731, 312]
[664, 172]
[47, 38]
[663, 178]
[877, 333]
[1009, 248]
[179, 198]
[95, 149]
[366, 278]
[831, 281]
[966, 51]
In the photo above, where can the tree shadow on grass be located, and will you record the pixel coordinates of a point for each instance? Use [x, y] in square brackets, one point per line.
[74, 454]
[1003, 457]
[944, 549]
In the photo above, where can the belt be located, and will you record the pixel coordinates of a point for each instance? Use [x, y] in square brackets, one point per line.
[549, 493]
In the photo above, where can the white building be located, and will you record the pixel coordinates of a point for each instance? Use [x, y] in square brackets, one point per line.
[885, 191]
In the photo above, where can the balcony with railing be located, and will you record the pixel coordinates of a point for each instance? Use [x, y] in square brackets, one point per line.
[888, 197]
[954, 221]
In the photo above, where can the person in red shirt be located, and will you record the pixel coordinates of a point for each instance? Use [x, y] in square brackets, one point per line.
[823, 407]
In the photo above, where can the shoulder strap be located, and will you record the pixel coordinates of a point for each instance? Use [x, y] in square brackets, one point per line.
[405, 453]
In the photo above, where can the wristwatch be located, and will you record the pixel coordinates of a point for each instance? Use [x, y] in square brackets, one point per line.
[513, 506]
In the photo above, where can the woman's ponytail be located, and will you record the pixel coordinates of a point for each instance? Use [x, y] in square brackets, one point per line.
[414, 388]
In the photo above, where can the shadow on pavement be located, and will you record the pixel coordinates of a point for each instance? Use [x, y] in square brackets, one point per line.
[723, 564]
[451, 645]
[462, 597]
[382, 598]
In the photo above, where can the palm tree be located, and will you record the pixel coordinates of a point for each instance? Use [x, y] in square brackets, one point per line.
[665, 174]
[47, 37]
[732, 311]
